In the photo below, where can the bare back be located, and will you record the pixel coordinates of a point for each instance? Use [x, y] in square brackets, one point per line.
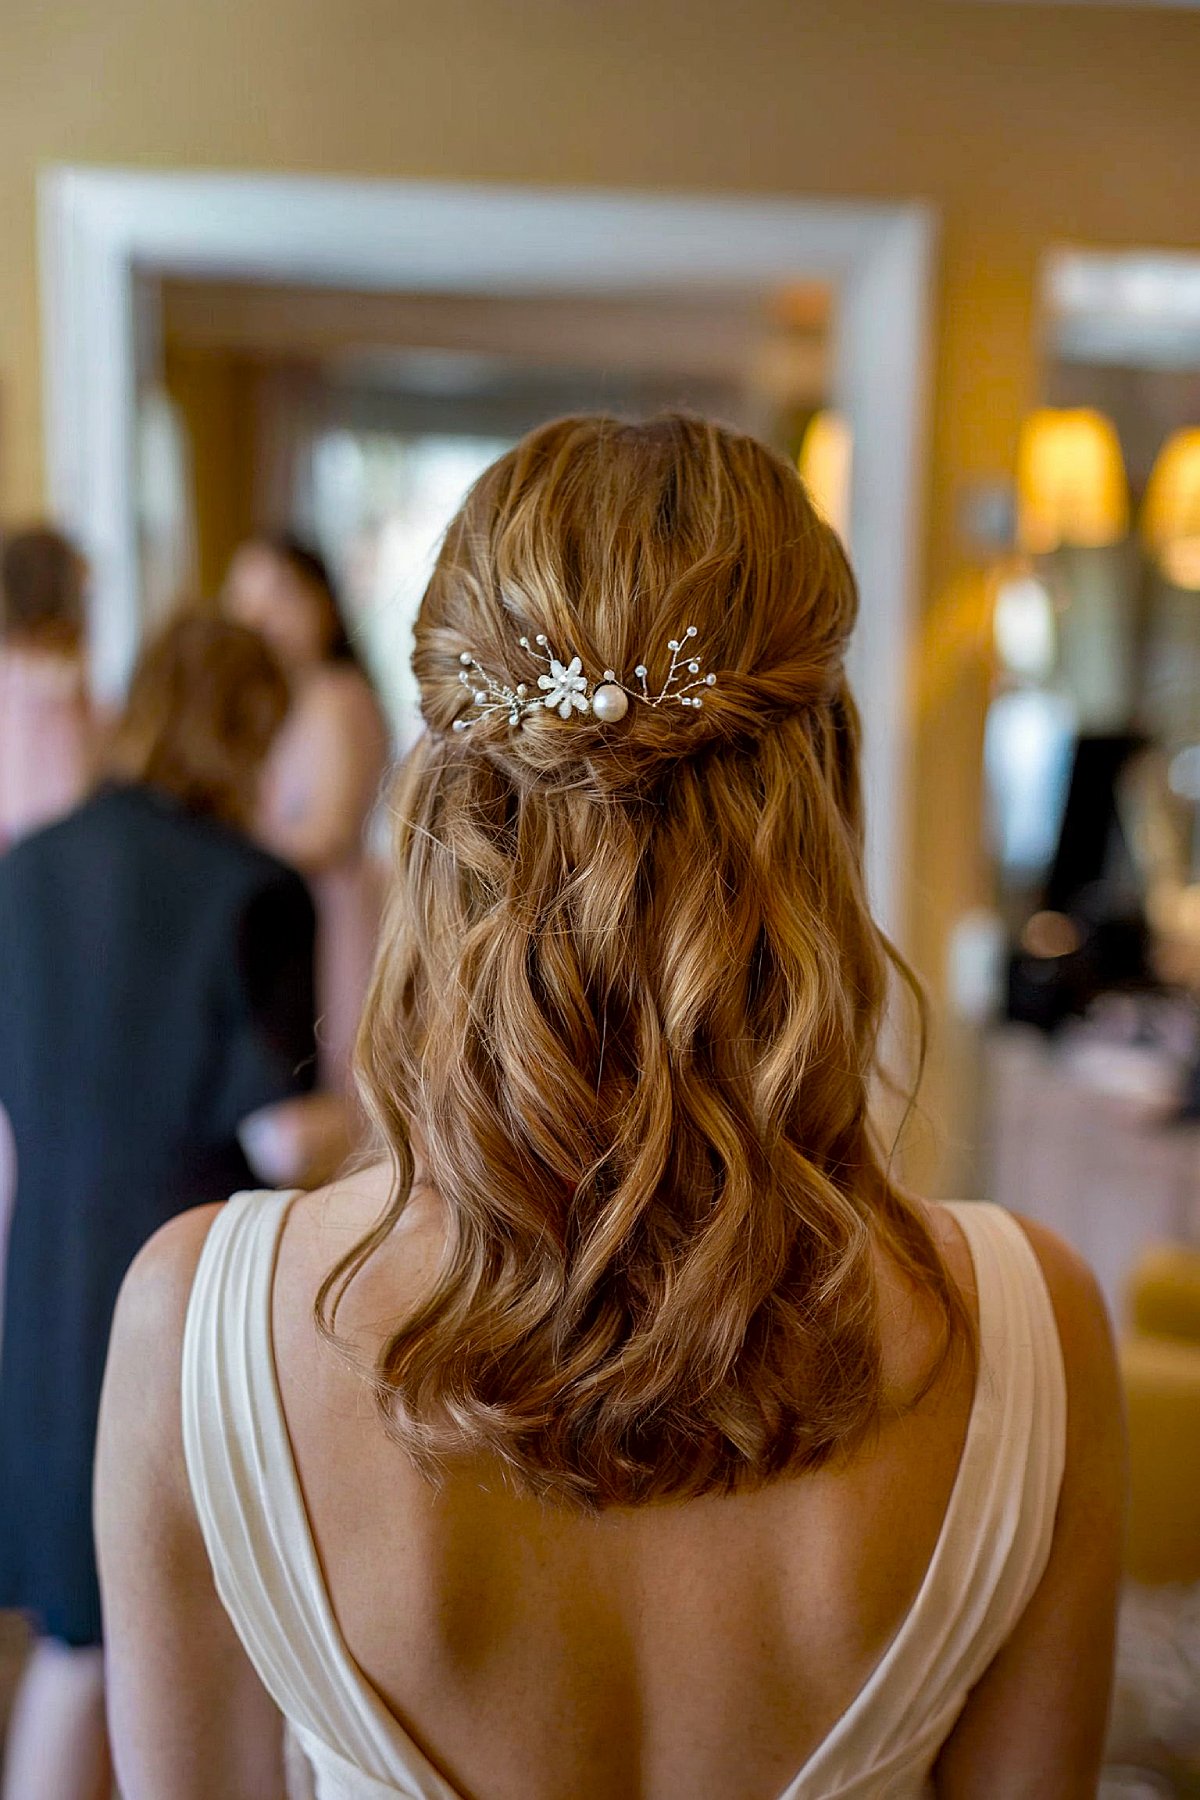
[702, 1649]
[465, 1645]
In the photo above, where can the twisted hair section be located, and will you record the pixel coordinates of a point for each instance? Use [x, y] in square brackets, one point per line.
[626, 1010]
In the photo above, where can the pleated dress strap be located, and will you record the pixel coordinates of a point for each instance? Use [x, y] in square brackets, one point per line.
[251, 1512]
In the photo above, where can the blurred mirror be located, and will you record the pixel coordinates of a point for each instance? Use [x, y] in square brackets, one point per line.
[1093, 769]
[358, 419]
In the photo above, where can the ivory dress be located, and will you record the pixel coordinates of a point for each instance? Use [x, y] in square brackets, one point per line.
[992, 1550]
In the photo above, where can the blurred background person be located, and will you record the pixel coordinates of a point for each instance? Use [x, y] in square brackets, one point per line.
[45, 719]
[157, 974]
[324, 772]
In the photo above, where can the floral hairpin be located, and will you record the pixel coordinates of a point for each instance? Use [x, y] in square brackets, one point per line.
[565, 689]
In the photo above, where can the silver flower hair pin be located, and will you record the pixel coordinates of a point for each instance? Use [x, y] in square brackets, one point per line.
[565, 689]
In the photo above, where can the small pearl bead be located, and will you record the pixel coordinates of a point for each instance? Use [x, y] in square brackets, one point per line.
[464, 657]
[610, 703]
[690, 632]
[710, 680]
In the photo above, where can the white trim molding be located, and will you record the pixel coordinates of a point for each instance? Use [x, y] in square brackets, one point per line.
[100, 226]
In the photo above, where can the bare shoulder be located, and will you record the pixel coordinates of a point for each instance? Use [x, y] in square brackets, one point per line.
[154, 1296]
[141, 1485]
[187, 1713]
[1035, 1722]
[140, 1415]
[1084, 1326]
[1095, 1412]
[1095, 1476]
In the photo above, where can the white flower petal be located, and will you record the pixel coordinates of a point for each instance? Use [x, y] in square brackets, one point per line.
[574, 666]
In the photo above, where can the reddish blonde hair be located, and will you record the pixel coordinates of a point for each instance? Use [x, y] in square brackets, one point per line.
[206, 699]
[629, 991]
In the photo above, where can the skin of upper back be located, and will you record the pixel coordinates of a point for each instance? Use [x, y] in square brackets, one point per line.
[700, 1649]
[696, 1651]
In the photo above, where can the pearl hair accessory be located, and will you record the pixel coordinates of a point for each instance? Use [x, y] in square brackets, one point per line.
[566, 690]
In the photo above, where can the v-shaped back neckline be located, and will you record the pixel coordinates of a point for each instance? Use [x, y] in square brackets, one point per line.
[406, 1747]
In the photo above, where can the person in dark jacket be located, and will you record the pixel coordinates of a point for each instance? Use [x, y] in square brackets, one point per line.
[156, 991]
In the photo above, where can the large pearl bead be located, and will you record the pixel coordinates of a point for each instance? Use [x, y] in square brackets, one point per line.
[610, 703]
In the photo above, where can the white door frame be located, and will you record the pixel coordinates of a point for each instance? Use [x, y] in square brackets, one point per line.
[99, 226]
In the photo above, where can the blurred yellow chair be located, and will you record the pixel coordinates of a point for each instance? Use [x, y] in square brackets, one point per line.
[1164, 1294]
[1160, 1366]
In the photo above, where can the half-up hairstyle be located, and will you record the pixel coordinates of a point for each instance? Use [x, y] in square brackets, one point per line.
[626, 1007]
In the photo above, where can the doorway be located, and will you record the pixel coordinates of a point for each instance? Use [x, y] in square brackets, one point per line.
[120, 248]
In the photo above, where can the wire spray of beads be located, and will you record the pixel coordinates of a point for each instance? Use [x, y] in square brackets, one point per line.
[564, 688]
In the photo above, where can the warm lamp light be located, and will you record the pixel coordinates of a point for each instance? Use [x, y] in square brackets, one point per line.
[1070, 481]
[1171, 512]
[826, 455]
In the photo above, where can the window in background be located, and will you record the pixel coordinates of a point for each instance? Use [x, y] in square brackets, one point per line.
[165, 512]
[380, 502]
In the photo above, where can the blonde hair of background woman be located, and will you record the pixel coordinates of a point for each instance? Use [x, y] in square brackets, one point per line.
[628, 998]
[205, 701]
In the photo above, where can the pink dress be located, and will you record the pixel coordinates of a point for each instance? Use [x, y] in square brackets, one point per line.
[45, 739]
[320, 787]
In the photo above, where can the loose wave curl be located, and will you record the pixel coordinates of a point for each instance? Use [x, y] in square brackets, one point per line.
[629, 992]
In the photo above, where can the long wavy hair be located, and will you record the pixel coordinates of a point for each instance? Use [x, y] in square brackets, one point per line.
[625, 1014]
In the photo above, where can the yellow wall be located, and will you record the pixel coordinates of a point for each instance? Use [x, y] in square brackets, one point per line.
[1024, 125]
[215, 394]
